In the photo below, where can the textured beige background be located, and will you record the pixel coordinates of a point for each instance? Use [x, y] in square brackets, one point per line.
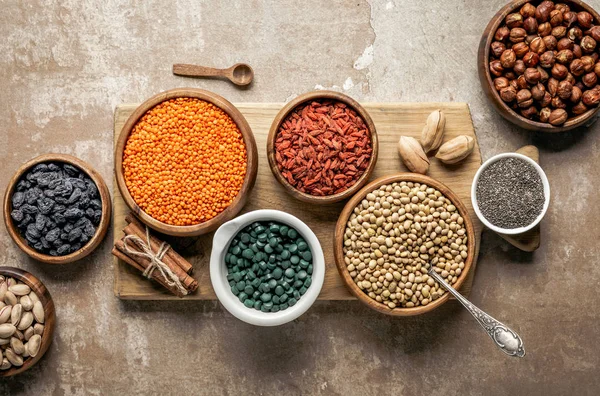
[66, 64]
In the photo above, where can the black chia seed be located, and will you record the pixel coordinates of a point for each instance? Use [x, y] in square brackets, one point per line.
[510, 193]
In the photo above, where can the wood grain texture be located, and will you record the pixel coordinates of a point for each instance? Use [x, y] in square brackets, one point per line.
[49, 316]
[340, 230]
[240, 74]
[486, 79]
[528, 241]
[93, 243]
[391, 119]
[281, 117]
[251, 164]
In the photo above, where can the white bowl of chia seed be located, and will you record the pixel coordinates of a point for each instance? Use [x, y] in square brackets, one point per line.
[510, 193]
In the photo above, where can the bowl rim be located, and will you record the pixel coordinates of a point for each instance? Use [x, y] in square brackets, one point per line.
[485, 77]
[251, 162]
[291, 106]
[545, 182]
[101, 230]
[221, 241]
[49, 316]
[341, 227]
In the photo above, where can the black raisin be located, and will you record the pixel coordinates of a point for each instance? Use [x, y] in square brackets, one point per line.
[89, 212]
[38, 246]
[96, 204]
[97, 217]
[30, 209]
[32, 231]
[68, 227]
[74, 196]
[45, 205]
[64, 236]
[63, 249]
[26, 220]
[89, 230]
[32, 195]
[49, 193]
[53, 167]
[71, 170]
[84, 238]
[59, 208]
[53, 253]
[53, 234]
[23, 185]
[92, 190]
[64, 189]
[17, 215]
[77, 183]
[73, 213]
[55, 183]
[40, 221]
[40, 168]
[59, 218]
[75, 247]
[74, 234]
[60, 200]
[45, 243]
[17, 199]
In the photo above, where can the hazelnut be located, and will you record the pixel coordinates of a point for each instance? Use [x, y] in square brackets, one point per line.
[497, 48]
[559, 71]
[529, 112]
[594, 32]
[545, 114]
[590, 97]
[514, 20]
[590, 79]
[577, 67]
[528, 10]
[547, 59]
[565, 56]
[522, 82]
[559, 32]
[546, 101]
[544, 29]
[569, 18]
[531, 59]
[558, 117]
[517, 35]
[588, 44]
[556, 17]
[575, 95]
[537, 45]
[595, 56]
[524, 98]
[588, 63]
[552, 86]
[500, 82]
[533, 76]
[565, 89]
[597, 69]
[577, 53]
[496, 68]
[510, 75]
[543, 74]
[502, 33]
[530, 38]
[508, 94]
[538, 91]
[563, 44]
[530, 25]
[579, 108]
[542, 11]
[585, 19]
[570, 79]
[519, 67]
[513, 83]
[520, 49]
[550, 42]
[562, 7]
[574, 34]
[508, 58]
[558, 103]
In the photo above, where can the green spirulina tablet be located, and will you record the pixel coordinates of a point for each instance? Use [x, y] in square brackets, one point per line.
[269, 266]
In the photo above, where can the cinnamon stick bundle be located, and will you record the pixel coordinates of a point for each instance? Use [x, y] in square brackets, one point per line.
[179, 266]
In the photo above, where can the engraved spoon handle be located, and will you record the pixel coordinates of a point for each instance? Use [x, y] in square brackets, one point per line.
[504, 337]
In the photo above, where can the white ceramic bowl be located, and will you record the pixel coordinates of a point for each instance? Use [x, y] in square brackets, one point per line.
[218, 269]
[510, 231]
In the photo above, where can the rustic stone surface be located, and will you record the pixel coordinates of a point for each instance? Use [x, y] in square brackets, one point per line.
[67, 64]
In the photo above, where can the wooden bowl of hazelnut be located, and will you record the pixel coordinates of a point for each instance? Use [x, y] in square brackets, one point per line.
[538, 64]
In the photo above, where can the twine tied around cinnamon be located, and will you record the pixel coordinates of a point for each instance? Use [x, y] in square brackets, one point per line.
[156, 262]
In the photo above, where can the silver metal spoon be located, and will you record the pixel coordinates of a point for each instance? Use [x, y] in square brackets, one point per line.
[506, 339]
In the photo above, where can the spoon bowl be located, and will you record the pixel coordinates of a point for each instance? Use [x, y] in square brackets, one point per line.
[241, 74]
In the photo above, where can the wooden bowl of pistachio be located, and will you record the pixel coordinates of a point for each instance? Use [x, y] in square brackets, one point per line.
[27, 320]
[393, 232]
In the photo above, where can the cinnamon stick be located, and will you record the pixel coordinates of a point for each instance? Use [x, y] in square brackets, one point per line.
[125, 258]
[171, 255]
[187, 281]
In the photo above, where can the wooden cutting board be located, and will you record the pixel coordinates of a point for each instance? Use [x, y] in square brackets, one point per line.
[392, 120]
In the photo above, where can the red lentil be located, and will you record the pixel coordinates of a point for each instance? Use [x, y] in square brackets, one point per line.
[184, 161]
[323, 147]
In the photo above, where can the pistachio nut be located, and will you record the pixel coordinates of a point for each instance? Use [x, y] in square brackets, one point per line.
[38, 312]
[33, 346]
[7, 330]
[5, 313]
[433, 131]
[17, 345]
[4, 341]
[26, 321]
[28, 333]
[20, 289]
[412, 155]
[13, 358]
[3, 290]
[5, 365]
[16, 313]
[38, 328]
[26, 302]
[34, 297]
[456, 150]
[10, 298]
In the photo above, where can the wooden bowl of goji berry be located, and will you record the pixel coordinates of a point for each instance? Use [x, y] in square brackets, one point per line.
[186, 161]
[322, 147]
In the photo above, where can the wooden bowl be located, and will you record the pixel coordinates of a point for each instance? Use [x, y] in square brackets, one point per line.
[340, 229]
[280, 118]
[486, 79]
[49, 316]
[251, 169]
[100, 231]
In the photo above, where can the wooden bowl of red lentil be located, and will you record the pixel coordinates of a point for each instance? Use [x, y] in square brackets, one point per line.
[322, 147]
[186, 161]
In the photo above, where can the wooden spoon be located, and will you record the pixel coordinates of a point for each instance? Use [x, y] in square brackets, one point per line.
[239, 74]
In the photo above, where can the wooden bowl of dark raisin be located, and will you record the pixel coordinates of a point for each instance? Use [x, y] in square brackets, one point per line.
[57, 208]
